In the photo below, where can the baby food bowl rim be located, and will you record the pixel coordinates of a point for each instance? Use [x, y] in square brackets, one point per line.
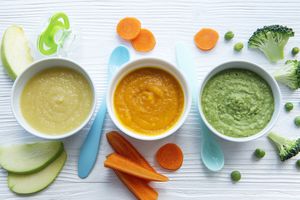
[123, 70]
[273, 85]
[18, 115]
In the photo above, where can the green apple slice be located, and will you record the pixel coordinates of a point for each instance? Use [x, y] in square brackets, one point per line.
[29, 158]
[15, 52]
[32, 183]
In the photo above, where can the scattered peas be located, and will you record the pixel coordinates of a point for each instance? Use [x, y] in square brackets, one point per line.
[289, 106]
[235, 176]
[228, 35]
[259, 153]
[298, 163]
[295, 51]
[238, 46]
[297, 121]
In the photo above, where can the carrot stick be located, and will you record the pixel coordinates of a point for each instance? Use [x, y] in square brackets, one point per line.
[169, 157]
[122, 164]
[121, 146]
[137, 186]
[206, 39]
[144, 42]
[129, 28]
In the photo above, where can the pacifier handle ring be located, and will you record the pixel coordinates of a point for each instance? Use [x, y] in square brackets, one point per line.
[46, 41]
[63, 16]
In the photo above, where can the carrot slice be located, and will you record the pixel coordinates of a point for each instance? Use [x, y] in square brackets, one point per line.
[129, 28]
[144, 42]
[169, 157]
[139, 188]
[121, 146]
[206, 39]
[122, 164]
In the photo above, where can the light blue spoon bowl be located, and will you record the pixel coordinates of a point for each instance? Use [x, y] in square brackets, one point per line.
[90, 147]
[211, 152]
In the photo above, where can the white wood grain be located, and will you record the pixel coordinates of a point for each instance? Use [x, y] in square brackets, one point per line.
[171, 21]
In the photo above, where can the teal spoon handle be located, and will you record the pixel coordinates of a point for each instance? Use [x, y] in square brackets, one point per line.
[211, 152]
[89, 149]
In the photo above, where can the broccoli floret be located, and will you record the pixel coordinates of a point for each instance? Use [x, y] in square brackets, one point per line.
[286, 148]
[289, 74]
[271, 40]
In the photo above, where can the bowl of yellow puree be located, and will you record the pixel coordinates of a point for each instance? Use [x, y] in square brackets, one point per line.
[148, 99]
[54, 98]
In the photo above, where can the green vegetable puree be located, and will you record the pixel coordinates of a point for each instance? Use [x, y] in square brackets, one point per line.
[237, 102]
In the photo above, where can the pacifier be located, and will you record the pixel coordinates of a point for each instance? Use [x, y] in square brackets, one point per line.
[57, 37]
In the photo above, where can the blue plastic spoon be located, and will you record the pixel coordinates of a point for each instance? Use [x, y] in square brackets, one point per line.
[89, 149]
[211, 152]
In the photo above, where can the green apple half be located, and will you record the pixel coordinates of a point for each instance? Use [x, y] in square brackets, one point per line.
[15, 52]
[29, 158]
[32, 183]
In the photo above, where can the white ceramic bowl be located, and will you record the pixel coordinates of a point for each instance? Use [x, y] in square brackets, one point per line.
[258, 70]
[148, 62]
[35, 68]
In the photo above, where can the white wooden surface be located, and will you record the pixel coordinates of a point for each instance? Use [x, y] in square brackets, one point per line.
[171, 21]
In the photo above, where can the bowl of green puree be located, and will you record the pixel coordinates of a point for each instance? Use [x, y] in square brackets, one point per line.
[239, 101]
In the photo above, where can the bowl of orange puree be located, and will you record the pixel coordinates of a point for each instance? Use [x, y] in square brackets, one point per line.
[148, 99]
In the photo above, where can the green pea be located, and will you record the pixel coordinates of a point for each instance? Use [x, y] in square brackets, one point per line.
[259, 153]
[295, 51]
[298, 163]
[236, 176]
[289, 106]
[297, 121]
[238, 46]
[228, 35]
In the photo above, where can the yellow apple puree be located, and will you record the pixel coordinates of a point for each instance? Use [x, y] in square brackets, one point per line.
[148, 101]
[56, 101]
